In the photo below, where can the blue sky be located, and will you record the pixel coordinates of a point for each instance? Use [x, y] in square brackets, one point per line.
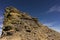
[47, 11]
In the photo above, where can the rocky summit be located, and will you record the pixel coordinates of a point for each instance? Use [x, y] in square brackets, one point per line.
[18, 25]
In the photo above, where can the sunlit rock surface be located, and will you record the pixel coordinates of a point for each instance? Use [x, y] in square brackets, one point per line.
[19, 25]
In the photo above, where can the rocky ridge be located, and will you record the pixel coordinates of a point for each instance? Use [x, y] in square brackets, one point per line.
[19, 25]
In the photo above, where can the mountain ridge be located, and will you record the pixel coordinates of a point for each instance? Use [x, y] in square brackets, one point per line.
[18, 25]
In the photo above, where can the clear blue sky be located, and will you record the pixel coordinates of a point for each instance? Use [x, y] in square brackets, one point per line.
[47, 11]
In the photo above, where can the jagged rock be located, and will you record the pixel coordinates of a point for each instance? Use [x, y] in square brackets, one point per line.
[18, 25]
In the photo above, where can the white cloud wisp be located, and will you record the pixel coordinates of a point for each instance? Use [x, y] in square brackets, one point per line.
[54, 9]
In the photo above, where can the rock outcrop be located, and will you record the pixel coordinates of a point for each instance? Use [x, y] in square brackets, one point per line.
[18, 25]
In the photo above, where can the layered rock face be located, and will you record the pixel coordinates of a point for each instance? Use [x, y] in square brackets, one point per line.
[18, 25]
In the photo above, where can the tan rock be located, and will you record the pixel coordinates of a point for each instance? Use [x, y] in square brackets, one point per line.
[18, 25]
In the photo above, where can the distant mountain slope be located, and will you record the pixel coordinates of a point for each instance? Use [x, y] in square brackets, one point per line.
[18, 25]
